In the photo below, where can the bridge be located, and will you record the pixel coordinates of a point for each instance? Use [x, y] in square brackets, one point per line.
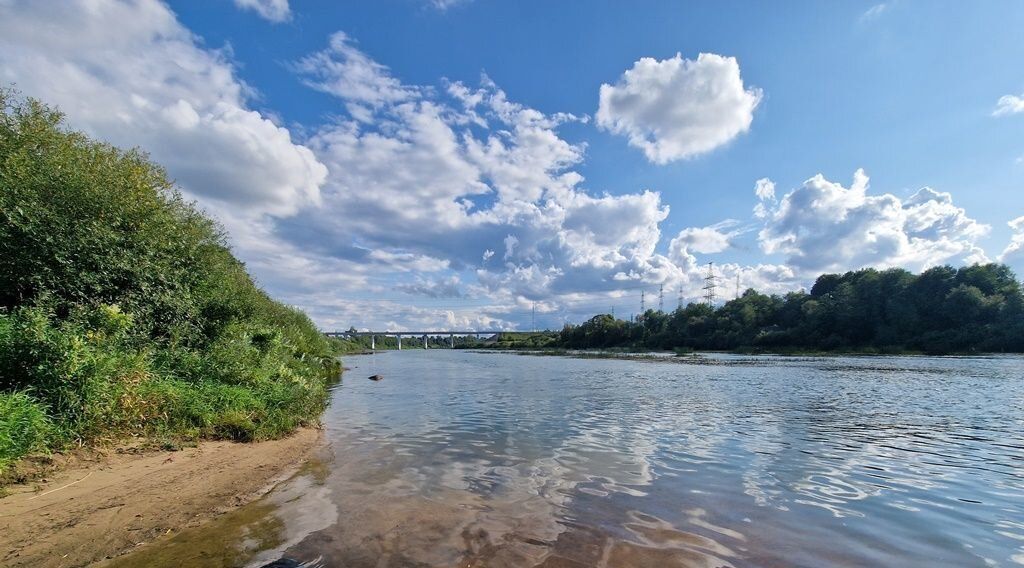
[424, 334]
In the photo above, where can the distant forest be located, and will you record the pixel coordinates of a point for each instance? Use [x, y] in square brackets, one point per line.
[977, 308]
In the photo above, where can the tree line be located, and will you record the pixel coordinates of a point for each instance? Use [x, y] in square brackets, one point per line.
[943, 310]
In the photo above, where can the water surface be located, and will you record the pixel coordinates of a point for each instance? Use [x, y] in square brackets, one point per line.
[479, 459]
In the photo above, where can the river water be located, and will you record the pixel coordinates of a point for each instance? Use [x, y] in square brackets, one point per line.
[484, 459]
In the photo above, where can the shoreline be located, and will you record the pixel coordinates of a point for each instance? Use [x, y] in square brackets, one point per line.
[93, 510]
[660, 355]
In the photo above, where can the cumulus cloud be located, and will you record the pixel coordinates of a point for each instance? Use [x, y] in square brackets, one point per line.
[1013, 254]
[152, 84]
[764, 189]
[707, 240]
[346, 72]
[457, 179]
[273, 10]
[448, 173]
[678, 108]
[823, 226]
[453, 193]
[439, 288]
[1009, 104]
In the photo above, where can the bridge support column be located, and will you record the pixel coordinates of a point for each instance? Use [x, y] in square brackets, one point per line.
[373, 343]
[399, 342]
[425, 342]
[451, 339]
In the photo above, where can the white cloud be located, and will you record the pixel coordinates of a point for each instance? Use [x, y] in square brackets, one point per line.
[444, 174]
[1009, 104]
[408, 261]
[510, 246]
[764, 189]
[1013, 254]
[152, 84]
[432, 288]
[344, 71]
[874, 12]
[273, 10]
[706, 240]
[678, 108]
[455, 194]
[823, 226]
[443, 5]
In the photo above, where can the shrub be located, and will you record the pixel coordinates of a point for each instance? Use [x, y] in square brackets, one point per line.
[23, 426]
[123, 311]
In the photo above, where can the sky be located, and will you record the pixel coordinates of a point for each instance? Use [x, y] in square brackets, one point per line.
[496, 164]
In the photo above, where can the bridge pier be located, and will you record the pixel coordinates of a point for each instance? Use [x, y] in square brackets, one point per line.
[425, 342]
[399, 336]
[451, 339]
[373, 343]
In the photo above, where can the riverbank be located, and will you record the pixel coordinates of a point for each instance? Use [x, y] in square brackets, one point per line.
[99, 506]
[124, 313]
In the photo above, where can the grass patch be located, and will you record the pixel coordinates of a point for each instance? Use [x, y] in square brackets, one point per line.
[24, 426]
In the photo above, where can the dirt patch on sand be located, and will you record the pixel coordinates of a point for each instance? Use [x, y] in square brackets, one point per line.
[86, 513]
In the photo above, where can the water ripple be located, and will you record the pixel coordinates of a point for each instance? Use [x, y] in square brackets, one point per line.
[498, 460]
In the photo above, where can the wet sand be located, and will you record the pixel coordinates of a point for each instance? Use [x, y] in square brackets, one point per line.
[89, 512]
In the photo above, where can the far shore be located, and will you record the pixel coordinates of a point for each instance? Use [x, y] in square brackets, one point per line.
[106, 503]
[694, 356]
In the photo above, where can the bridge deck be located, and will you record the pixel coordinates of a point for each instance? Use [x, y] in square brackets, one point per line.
[444, 332]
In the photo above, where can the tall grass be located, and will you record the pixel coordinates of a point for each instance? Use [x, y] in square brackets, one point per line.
[123, 311]
[23, 426]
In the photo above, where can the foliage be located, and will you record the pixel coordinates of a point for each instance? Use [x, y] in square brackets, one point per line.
[23, 426]
[123, 311]
[976, 308]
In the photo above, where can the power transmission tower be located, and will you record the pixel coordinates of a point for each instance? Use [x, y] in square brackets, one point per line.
[710, 285]
[661, 298]
[737, 285]
[643, 304]
[680, 304]
[534, 316]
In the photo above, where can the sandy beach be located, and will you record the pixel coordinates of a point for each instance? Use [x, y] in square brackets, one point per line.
[99, 508]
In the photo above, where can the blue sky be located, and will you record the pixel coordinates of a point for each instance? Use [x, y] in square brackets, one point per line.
[452, 164]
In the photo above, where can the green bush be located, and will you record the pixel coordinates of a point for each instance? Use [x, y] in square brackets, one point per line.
[23, 426]
[123, 311]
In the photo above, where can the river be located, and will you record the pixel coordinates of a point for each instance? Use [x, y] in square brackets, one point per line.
[459, 458]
